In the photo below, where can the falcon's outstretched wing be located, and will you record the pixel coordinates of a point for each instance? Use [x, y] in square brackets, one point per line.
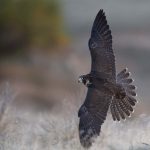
[100, 45]
[92, 115]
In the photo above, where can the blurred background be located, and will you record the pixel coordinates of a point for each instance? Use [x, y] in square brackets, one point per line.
[44, 48]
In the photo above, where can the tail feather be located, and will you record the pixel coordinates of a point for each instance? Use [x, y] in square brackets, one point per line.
[120, 111]
[120, 74]
[113, 111]
[126, 104]
[124, 108]
[132, 87]
[124, 76]
[120, 108]
[126, 81]
[117, 111]
[132, 93]
[132, 101]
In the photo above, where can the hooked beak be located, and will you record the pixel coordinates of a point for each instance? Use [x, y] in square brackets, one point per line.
[80, 80]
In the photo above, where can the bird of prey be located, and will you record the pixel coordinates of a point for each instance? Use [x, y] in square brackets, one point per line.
[105, 88]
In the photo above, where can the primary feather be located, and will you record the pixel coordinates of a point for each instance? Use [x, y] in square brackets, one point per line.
[100, 45]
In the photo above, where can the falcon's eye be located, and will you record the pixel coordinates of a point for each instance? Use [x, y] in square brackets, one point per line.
[92, 44]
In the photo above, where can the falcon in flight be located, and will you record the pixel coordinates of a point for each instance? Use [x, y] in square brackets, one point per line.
[105, 88]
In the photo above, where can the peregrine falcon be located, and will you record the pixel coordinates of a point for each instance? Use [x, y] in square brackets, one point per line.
[105, 88]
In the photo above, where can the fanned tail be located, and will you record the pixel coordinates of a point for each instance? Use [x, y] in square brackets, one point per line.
[120, 108]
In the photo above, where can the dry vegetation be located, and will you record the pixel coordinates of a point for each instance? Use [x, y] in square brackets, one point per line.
[27, 129]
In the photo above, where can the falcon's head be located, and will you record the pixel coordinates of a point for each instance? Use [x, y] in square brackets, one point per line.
[85, 80]
[82, 79]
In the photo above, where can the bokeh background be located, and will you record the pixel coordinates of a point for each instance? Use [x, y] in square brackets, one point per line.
[43, 50]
